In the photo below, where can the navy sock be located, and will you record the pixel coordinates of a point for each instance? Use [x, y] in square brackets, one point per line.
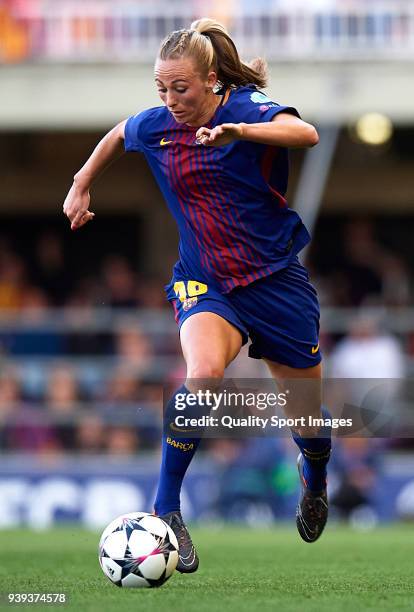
[177, 453]
[316, 453]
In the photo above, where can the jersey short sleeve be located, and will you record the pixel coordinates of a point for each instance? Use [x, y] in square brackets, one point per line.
[253, 106]
[136, 128]
[133, 140]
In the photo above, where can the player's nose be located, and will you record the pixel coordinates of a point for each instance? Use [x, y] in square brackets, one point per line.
[171, 101]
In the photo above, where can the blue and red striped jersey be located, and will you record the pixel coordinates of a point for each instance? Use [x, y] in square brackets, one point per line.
[229, 202]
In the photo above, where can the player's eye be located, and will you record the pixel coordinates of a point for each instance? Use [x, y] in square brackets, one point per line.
[162, 90]
[181, 89]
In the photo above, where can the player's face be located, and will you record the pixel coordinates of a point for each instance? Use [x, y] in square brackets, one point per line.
[183, 90]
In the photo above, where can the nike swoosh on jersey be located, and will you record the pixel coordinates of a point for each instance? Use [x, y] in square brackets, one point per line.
[315, 349]
[164, 142]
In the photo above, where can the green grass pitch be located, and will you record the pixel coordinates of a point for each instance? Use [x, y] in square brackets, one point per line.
[241, 570]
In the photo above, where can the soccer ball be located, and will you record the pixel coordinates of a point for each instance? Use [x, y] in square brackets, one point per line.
[138, 550]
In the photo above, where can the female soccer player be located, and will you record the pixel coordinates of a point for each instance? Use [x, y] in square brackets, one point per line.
[218, 149]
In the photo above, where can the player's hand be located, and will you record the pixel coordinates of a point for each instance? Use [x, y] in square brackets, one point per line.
[219, 136]
[76, 206]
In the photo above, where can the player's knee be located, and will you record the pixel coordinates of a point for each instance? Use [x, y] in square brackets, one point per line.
[208, 374]
[308, 432]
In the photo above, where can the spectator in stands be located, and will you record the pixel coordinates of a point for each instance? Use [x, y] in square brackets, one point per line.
[151, 293]
[10, 395]
[356, 466]
[395, 281]
[123, 386]
[367, 352]
[62, 400]
[119, 283]
[90, 437]
[22, 428]
[62, 393]
[86, 294]
[370, 272]
[35, 337]
[133, 347]
[122, 441]
[13, 275]
[50, 273]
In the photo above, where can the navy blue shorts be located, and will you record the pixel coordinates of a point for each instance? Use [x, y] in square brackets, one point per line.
[280, 313]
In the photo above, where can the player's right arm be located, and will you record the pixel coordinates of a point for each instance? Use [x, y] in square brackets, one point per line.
[77, 202]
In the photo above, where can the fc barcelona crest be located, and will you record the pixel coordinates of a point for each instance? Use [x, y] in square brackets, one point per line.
[189, 303]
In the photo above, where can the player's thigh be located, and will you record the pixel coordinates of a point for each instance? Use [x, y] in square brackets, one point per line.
[209, 343]
[304, 391]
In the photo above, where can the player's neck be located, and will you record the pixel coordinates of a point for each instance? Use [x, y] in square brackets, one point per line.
[207, 112]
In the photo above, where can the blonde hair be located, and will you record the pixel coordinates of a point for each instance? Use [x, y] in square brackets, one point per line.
[208, 43]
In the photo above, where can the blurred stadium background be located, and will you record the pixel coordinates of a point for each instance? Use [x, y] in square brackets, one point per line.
[87, 340]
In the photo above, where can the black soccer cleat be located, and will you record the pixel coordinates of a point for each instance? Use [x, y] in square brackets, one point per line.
[187, 554]
[312, 509]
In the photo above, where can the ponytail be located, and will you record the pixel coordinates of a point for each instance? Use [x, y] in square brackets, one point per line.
[208, 43]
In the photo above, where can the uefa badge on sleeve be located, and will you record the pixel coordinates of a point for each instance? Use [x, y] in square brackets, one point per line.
[189, 303]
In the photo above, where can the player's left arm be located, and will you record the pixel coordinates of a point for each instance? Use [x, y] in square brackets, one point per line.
[284, 130]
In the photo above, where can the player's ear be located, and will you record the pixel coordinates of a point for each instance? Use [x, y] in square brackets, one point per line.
[211, 80]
